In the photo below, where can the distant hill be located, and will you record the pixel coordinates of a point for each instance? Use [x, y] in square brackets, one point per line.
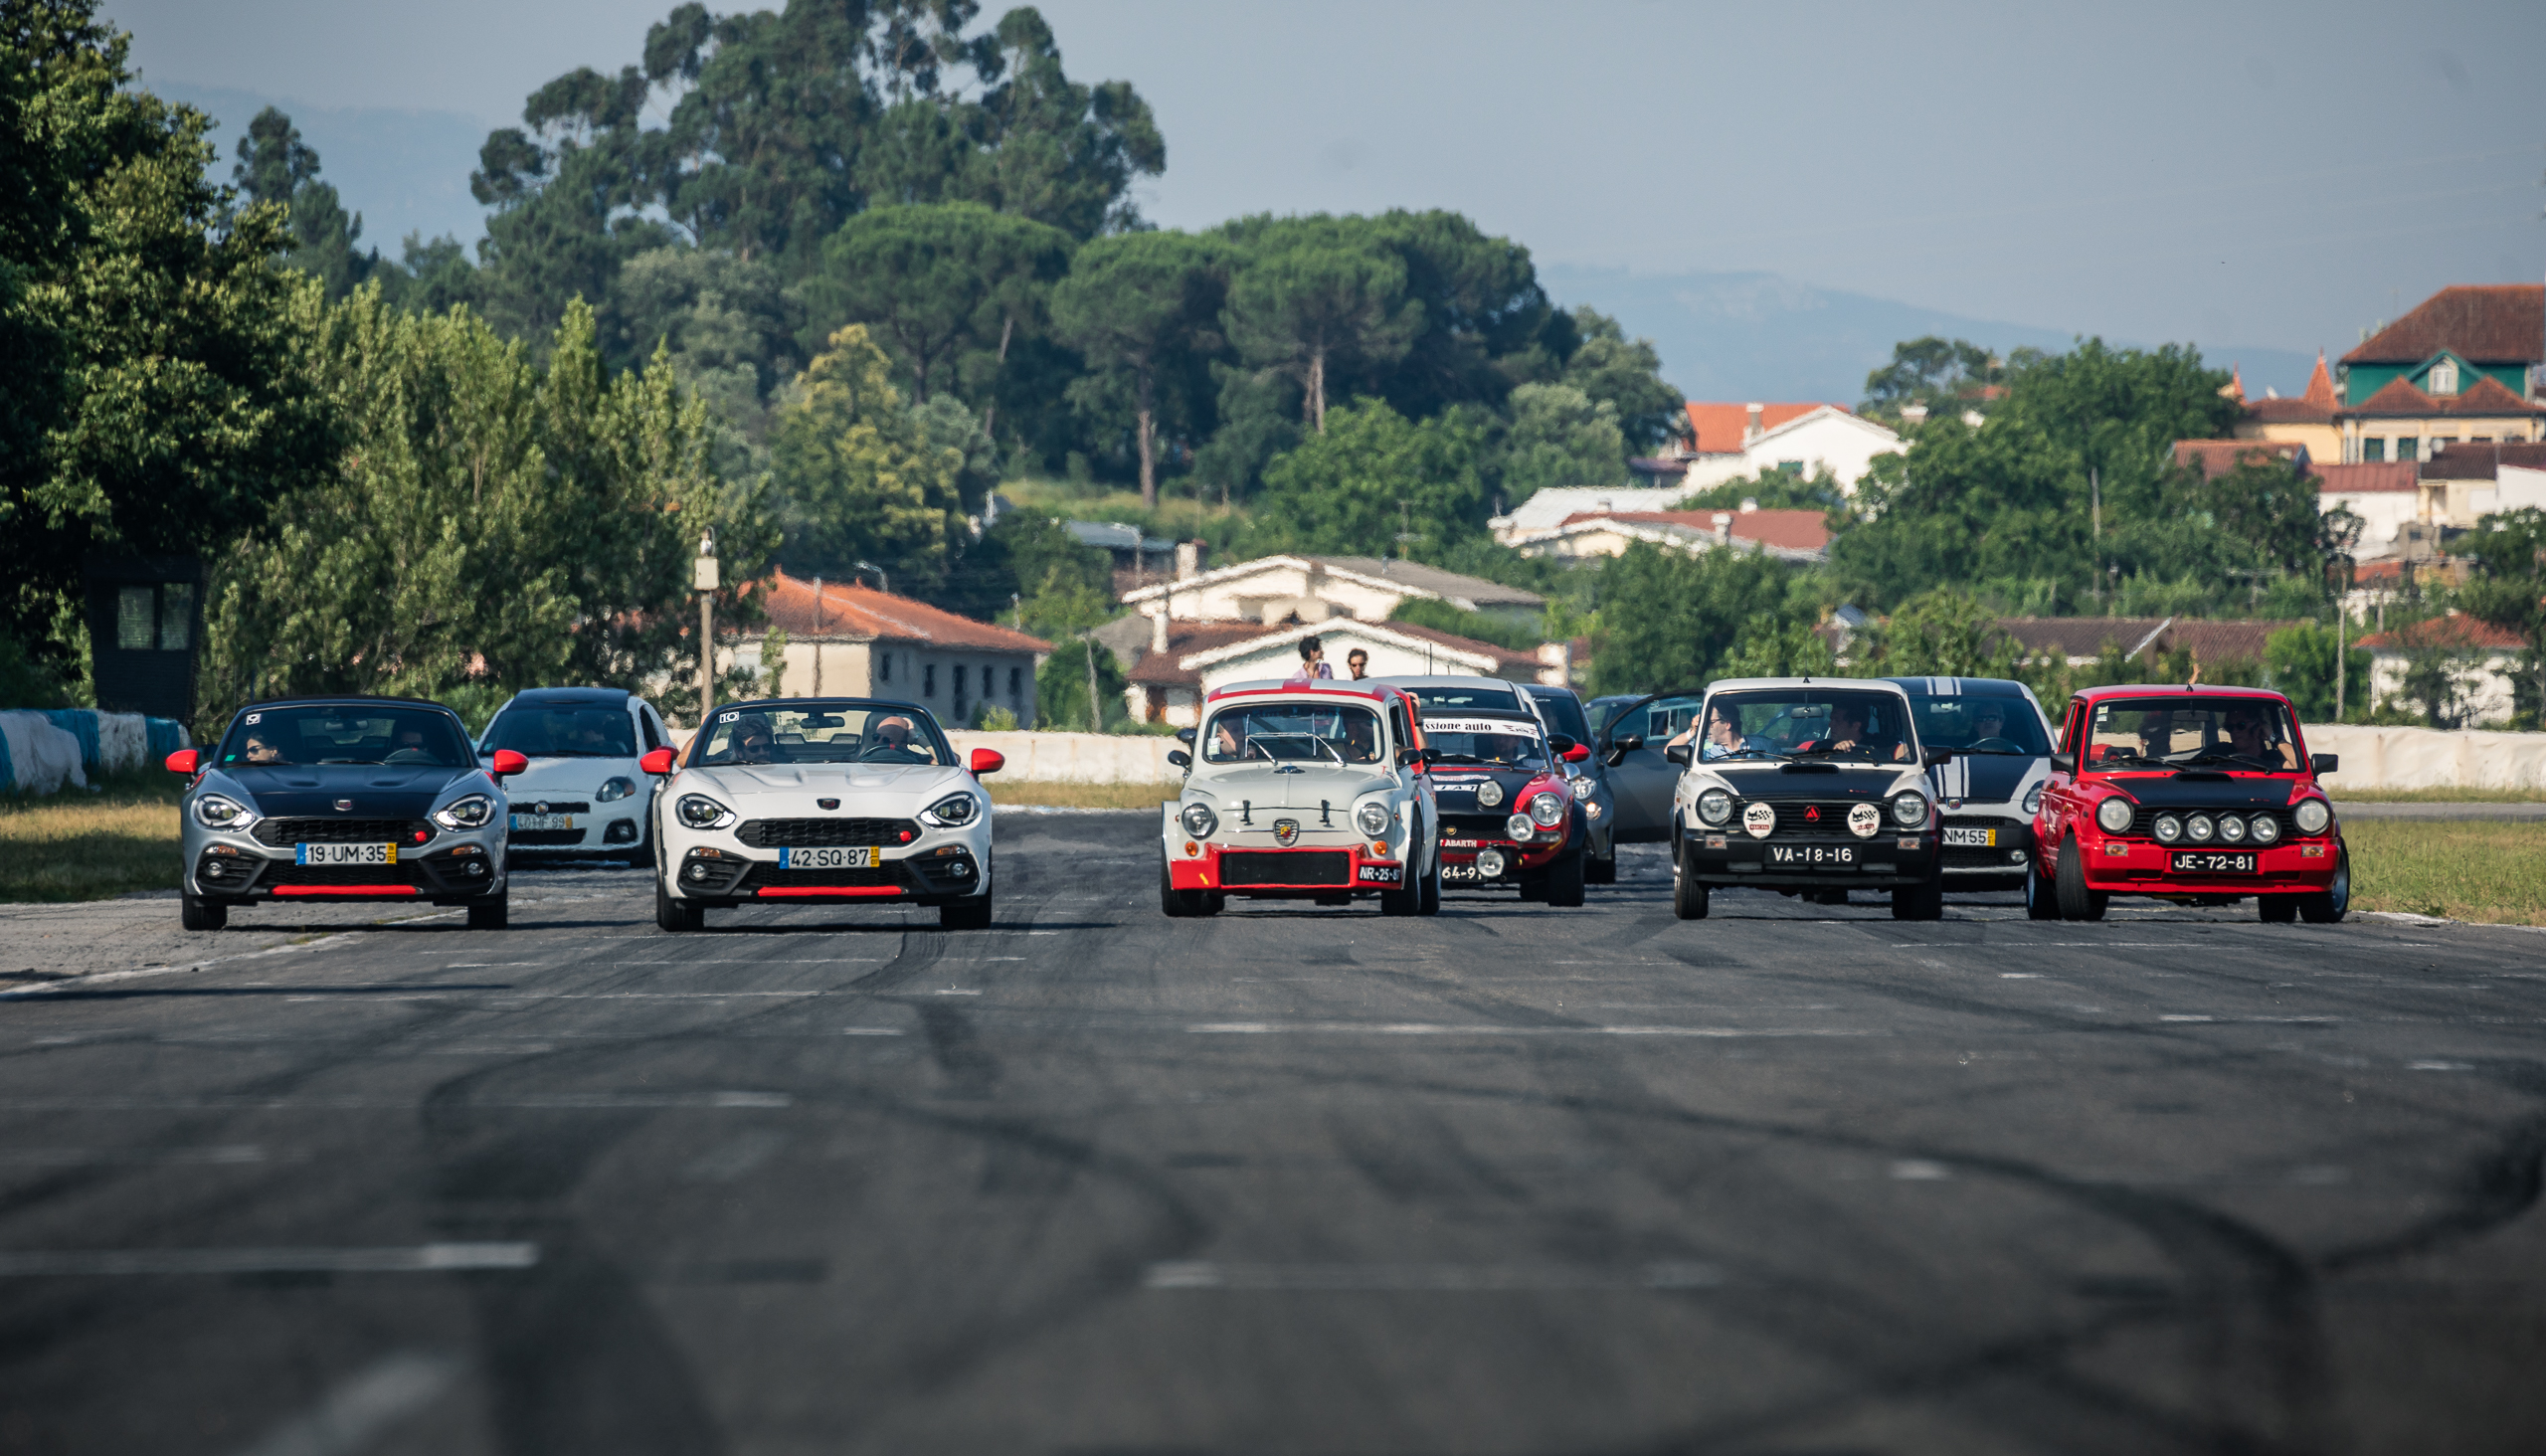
[1761, 336]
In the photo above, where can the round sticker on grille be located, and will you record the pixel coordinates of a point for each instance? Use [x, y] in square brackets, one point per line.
[1759, 819]
[1863, 819]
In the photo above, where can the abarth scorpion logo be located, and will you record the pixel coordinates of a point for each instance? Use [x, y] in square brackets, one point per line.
[344, 804]
[1286, 832]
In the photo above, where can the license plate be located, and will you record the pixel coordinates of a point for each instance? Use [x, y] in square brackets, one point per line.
[543, 821]
[1812, 854]
[1459, 874]
[829, 858]
[1978, 839]
[2212, 862]
[1382, 874]
[346, 855]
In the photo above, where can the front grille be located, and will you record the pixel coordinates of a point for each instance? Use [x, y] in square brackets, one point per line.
[1476, 826]
[1299, 867]
[401, 874]
[826, 833]
[769, 877]
[2144, 822]
[533, 839]
[283, 833]
[2012, 838]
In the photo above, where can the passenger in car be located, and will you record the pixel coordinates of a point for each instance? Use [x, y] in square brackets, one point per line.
[2251, 734]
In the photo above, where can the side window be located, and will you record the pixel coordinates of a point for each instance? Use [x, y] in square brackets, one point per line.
[1396, 725]
[2072, 737]
[646, 728]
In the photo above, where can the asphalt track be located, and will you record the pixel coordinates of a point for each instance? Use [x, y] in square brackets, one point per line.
[1796, 1179]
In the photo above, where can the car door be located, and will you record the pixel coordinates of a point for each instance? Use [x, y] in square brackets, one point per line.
[1641, 779]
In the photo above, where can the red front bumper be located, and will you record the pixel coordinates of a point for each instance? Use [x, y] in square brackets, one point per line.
[2139, 868]
[1358, 870]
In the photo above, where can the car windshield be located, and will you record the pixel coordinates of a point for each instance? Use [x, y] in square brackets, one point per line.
[1484, 697]
[562, 731]
[1292, 733]
[1564, 712]
[1504, 742]
[346, 732]
[2189, 732]
[1806, 723]
[821, 732]
[1979, 724]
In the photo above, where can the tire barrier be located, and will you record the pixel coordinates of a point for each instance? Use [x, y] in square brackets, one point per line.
[42, 748]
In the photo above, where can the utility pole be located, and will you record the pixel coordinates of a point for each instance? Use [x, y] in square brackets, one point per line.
[706, 582]
[2095, 505]
[2340, 666]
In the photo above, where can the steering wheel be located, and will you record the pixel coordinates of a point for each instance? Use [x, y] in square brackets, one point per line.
[1993, 745]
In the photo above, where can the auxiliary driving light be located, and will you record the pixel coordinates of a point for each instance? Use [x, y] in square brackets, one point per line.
[1489, 863]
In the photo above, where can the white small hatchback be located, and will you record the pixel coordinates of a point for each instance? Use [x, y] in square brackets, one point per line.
[584, 793]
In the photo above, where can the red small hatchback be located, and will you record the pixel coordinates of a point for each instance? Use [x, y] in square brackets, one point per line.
[2199, 794]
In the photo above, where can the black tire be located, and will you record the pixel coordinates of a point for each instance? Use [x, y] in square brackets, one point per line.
[1428, 888]
[1919, 902]
[1211, 903]
[1599, 869]
[1408, 899]
[1689, 899]
[2041, 900]
[1563, 885]
[2278, 909]
[974, 914]
[490, 914]
[2077, 902]
[198, 914]
[1172, 902]
[676, 914]
[2330, 907]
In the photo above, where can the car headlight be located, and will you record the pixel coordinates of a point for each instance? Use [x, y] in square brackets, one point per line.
[2314, 816]
[2232, 828]
[212, 812]
[614, 790]
[2114, 815]
[2264, 828]
[470, 811]
[2169, 829]
[699, 811]
[1547, 809]
[1489, 793]
[1374, 819]
[1520, 827]
[1909, 810]
[2199, 829]
[953, 811]
[1200, 822]
[1714, 806]
[2033, 800]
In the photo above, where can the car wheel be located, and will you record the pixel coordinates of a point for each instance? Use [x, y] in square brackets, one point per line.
[490, 914]
[1171, 900]
[676, 914]
[974, 914]
[2278, 909]
[1564, 886]
[1919, 902]
[1601, 869]
[2077, 902]
[200, 914]
[1688, 897]
[1405, 900]
[1213, 903]
[1428, 890]
[2331, 906]
[2041, 901]
[642, 857]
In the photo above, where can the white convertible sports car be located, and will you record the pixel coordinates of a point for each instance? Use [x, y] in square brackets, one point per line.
[821, 800]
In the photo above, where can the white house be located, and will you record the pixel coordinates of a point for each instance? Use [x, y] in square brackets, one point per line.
[1788, 535]
[2386, 496]
[843, 639]
[1169, 683]
[1740, 442]
[2485, 659]
[1313, 589]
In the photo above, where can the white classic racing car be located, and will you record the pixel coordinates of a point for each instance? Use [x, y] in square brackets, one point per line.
[821, 800]
[1300, 791]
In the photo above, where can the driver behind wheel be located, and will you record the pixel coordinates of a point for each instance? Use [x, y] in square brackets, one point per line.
[753, 741]
[893, 743]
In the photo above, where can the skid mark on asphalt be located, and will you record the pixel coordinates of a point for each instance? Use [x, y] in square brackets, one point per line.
[362, 1409]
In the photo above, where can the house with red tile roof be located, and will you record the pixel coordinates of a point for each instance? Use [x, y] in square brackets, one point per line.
[2308, 420]
[1169, 683]
[2481, 659]
[2462, 366]
[2216, 457]
[1729, 442]
[1790, 535]
[847, 639]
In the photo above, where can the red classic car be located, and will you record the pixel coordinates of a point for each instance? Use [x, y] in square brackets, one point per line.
[2197, 794]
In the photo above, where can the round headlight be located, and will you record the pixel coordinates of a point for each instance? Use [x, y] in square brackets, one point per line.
[2169, 829]
[1374, 819]
[614, 790]
[1547, 809]
[1200, 822]
[471, 812]
[2115, 815]
[2232, 828]
[2199, 829]
[2033, 800]
[1489, 862]
[2264, 828]
[1489, 793]
[216, 813]
[702, 813]
[2314, 816]
[1519, 826]
[1909, 810]
[952, 812]
[1715, 807]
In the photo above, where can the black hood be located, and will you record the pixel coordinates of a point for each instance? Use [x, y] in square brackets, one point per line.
[1982, 778]
[2204, 790]
[377, 791]
[1456, 780]
[1824, 782]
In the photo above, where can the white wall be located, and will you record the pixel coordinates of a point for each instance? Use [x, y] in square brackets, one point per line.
[1835, 441]
[852, 669]
[1076, 757]
[2426, 758]
[2487, 680]
[2381, 512]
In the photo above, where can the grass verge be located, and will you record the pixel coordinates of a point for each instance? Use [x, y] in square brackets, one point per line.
[1028, 792]
[2438, 796]
[76, 845]
[2489, 872]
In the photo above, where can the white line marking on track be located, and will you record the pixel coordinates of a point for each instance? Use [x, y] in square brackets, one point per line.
[357, 1412]
[1919, 1170]
[870, 1031]
[535, 1102]
[88, 1157]
[1432, 1028]
[2440, 1066]
[1424, 1278]
[432, 1258]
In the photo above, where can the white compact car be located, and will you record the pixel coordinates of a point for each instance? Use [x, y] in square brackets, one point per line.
[1301, 791]
[792, 801]
[584, 793]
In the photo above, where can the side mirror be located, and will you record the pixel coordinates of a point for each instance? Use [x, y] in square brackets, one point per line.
[1677, 753]
[1415, 757]
[1185, 736]
[986, 761]
[1179, 758]
[658, 763]
[1935, 757]
[1559, 744]
[1628, 744]
[1574, 753]
[187, 759]
[2062, 763]
[506, 763]
[2319, 764]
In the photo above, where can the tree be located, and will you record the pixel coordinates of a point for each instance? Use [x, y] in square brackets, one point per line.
[1626, 376]
[855, 475]
[1059, 153]
[1316, 292]
[2302, 661]
[1133, 304]
[930, 279]
[276, 166]
[1378, 477]
[2511, 594]
[1558, 436]
[568, 197]
[152, 398]
[1941, 632]
[1671, 619]
[1937, 374]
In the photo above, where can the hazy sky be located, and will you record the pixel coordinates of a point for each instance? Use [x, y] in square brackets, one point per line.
[2276, 176]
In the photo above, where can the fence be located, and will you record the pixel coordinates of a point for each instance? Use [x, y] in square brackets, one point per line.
[1077, 758]
[42, 748]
